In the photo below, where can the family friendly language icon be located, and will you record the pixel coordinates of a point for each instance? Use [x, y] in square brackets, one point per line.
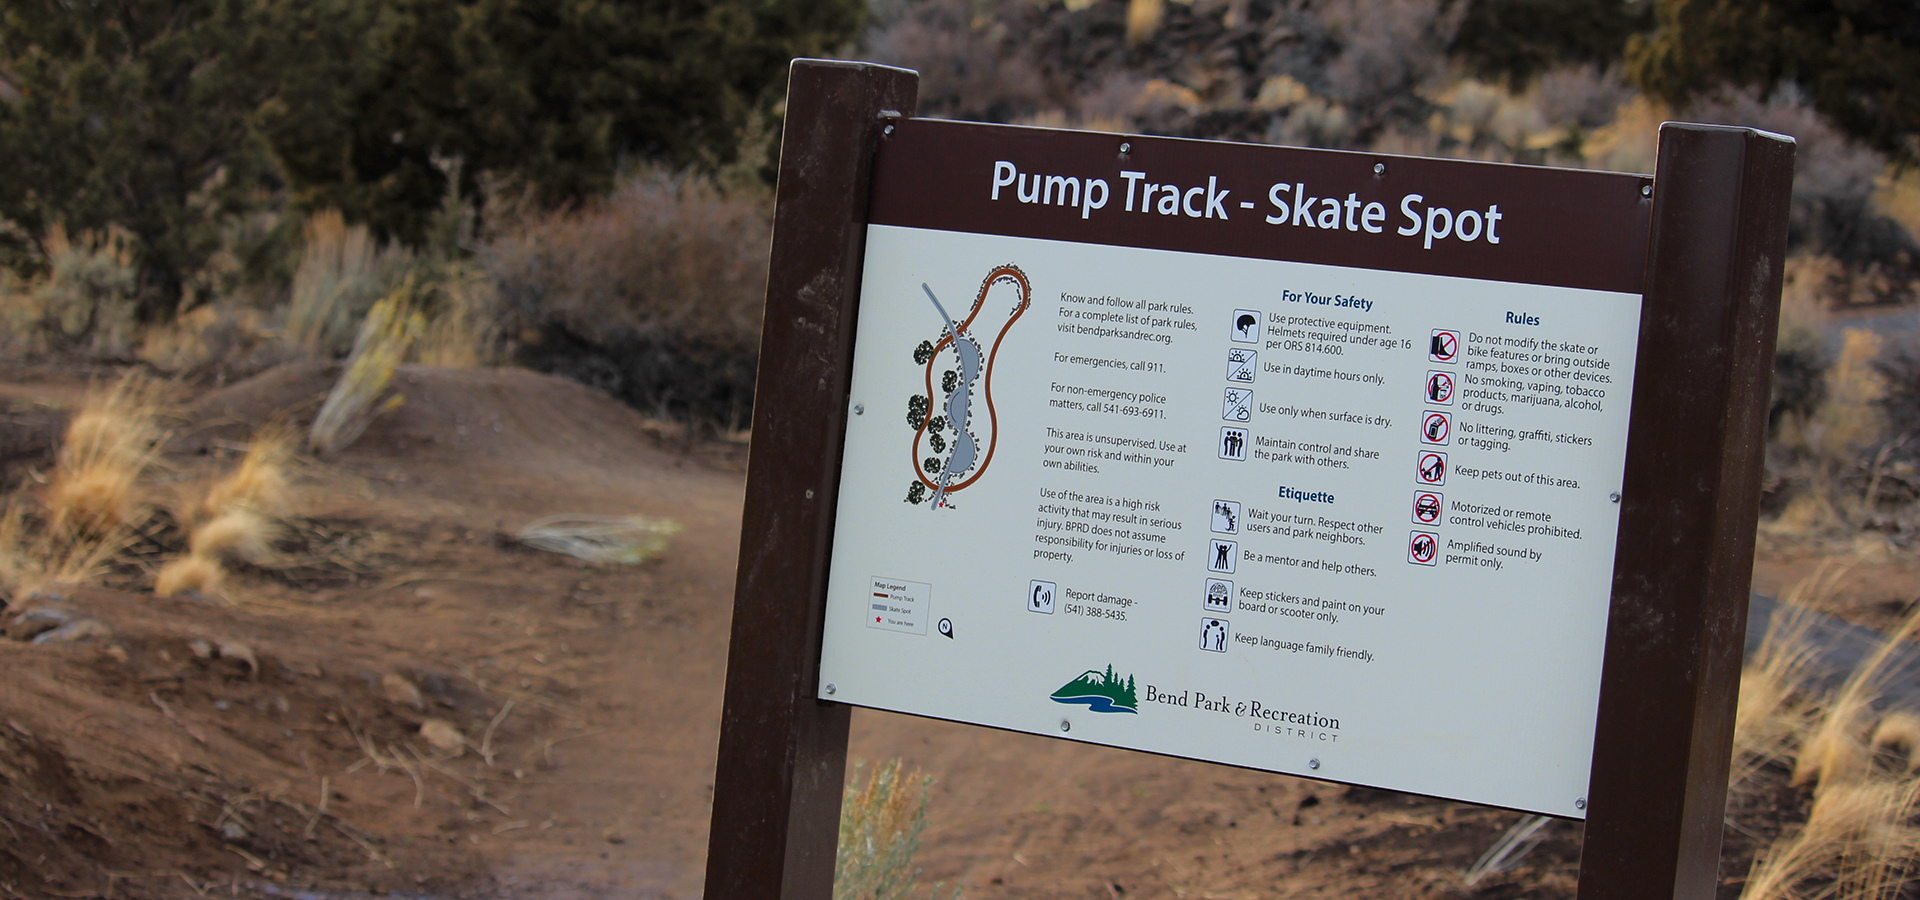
[1213, 634]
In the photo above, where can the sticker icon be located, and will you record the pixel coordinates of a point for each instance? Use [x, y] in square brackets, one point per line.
[1222, 556]
[1214, 634]
[1427, 506]
[1246, 326]
[1040, 596]
[1423, 548]
[1226, 517]
[1233, 443]
[1445, 346]
[1439, 387]
[1435, 426]
[1432, 468]
[1219, 595]
[1240, 364]
[1238, 405]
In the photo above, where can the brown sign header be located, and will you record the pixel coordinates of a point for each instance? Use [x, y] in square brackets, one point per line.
[1499, 222]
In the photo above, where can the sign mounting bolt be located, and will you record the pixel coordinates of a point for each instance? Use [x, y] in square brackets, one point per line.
[1615, 496]
[1313, 763]
[1580, 803]
[1646, 190]
[809, 493]
[1379, 168]
[887, 130]
[1065, 725]
[859, 409]
[1126, 147]
[831, 689]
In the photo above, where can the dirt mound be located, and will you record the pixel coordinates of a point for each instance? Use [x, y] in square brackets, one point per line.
[168, 745]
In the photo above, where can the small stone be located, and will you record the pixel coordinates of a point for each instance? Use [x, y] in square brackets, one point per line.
[233, 831]
[200, 649]
[34, 621]
[235, 650]
[74, 632]
[399, 690]
[443, 736]
[118, 653]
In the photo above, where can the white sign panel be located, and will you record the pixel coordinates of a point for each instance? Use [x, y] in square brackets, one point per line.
[1335, 522]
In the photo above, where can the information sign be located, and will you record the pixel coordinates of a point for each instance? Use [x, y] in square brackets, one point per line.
[1297, 460]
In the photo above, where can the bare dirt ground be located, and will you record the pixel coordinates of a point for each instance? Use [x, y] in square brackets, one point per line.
[268, 741]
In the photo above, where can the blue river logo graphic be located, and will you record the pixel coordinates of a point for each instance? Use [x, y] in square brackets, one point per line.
[1101, 692]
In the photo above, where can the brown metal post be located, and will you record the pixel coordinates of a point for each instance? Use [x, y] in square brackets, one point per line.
[1689, 506]
[783, 753]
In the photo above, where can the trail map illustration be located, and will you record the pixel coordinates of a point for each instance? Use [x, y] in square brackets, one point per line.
[949, 451]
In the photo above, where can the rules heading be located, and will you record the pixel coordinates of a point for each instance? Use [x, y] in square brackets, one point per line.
[1290, 203]
[1490, 221]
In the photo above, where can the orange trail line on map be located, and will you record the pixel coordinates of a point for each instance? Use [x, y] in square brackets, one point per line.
[993, 419]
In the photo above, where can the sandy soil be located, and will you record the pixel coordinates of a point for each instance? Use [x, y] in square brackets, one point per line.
[268, 741]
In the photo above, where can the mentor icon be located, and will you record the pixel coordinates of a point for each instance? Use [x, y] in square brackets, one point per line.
[1233, 444]
[1246, 326]
[1222, 556]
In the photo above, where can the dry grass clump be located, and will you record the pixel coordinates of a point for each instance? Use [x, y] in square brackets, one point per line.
[96, 497]
[338, 279]
[236, 517]
[110, 444]
[881, 817]
[1860, 840]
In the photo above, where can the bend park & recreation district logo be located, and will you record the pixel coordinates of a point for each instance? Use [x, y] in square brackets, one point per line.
[1100, 692]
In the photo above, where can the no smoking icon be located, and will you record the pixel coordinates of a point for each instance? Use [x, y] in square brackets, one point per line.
[1423, 548]
[1439, 387]
[1434, 427]
[1444, 347]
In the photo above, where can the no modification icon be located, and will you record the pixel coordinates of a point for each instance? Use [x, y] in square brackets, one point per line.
[1432, 468]
[1439, 387]
[1427, 506]
[1445, 346]
[1423, 548]
[1435, 427]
